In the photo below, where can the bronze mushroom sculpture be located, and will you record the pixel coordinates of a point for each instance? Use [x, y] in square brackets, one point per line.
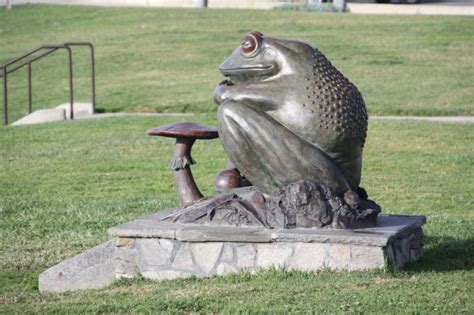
[186, 133]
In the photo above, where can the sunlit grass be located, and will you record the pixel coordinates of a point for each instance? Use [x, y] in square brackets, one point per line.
[165, 60]
[63, 185]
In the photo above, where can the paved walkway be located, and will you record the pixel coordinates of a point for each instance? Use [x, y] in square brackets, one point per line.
[451, 119]
[122, 114]
[84, 111]
[439, 8]
[432, 7]
[455, 119]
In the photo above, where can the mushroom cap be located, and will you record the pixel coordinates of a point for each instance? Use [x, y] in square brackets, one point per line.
[185, 129]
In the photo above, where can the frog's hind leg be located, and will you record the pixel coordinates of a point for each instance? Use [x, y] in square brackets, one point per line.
[269, 154]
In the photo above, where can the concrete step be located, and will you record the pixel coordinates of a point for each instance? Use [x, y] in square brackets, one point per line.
[61, 112]
[80, 109]
[42, 116]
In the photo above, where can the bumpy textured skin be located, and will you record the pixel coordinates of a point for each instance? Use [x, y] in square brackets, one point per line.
[288, 99]
[336, 106]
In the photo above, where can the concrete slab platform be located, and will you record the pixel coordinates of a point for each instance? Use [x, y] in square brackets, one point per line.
[150, 226]
[42, 116]
[60, 112]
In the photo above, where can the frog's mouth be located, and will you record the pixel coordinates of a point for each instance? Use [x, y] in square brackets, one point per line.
[246, 70]
[239, 73]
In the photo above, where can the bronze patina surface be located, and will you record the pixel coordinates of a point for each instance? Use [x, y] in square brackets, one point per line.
[287, 114]
[295, 127]
[186, 133]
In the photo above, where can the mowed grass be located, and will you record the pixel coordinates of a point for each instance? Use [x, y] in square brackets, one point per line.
[166, 60]
[64, 184]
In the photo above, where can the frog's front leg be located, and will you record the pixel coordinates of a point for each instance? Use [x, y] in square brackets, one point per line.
[257, 95]
[269, 154]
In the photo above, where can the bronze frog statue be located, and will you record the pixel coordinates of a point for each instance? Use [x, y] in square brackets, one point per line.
[287, 114]
[295, 127]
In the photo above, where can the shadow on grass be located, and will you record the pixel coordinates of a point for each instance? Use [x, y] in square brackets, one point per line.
[445, 254]
[99, 110]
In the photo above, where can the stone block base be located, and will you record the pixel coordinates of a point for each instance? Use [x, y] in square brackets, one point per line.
[158, 250]
[155, 249]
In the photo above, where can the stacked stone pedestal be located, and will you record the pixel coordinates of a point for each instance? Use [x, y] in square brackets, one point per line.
[155, 249]
[158, 250]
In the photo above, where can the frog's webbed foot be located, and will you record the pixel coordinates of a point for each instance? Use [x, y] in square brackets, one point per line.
[269, 154]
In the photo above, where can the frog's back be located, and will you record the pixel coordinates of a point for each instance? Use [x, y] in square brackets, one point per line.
[337, 110]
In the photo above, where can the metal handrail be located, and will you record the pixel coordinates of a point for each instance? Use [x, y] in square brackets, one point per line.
[91, 48]
[49, 49]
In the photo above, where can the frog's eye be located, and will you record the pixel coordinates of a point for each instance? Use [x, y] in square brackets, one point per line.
[249, 44]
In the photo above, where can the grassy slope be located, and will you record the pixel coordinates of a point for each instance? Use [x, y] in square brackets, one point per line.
[166, 59]
[63, 184]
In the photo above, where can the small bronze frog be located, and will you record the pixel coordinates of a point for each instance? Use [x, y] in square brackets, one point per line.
[287, 114]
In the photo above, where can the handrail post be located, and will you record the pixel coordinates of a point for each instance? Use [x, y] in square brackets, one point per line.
[92, 59]
[30, 95]
[93, 77]
[5, 96]
[71, 88]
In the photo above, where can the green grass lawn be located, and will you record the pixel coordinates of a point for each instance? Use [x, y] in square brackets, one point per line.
[64, 184]
[165, 60]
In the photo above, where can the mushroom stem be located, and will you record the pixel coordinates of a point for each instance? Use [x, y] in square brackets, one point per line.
[181, 164]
